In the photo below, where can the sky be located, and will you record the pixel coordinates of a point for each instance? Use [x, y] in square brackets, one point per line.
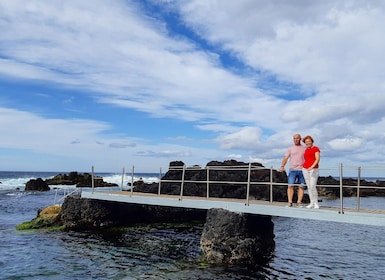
[139, 83]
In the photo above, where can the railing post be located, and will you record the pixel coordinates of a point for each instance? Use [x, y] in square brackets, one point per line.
[358, 188]
[121, 185]
[271, 184]
[182, 183]
[55, 199]
[132, 180]
[207, 182]
[341, 191]
[248, 185]
[160, 180]
[92, 179]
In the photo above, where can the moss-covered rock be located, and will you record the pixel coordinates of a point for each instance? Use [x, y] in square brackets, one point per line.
[48, 218]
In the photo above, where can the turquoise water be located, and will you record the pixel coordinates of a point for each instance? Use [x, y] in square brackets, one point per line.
[305, 249]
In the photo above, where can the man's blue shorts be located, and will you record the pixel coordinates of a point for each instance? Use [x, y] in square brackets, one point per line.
[296, 178]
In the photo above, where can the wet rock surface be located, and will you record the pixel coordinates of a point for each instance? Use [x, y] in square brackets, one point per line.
[83, 214]
[37, 185]
[79, 179]
[236, 238]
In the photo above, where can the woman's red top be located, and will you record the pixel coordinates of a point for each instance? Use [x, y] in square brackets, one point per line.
[310, 156]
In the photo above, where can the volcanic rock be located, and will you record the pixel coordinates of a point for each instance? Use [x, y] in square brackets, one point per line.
[37, 185]
[236, 238]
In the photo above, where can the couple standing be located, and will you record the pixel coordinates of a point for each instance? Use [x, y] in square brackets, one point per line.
[303, 168]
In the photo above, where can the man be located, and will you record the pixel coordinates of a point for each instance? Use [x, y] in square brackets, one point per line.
[296, 155]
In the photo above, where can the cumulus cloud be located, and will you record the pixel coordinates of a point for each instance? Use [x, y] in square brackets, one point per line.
[235, 156]
[179, 138]
[43, 134]
[345, 144]
[246, 137]
[253, 73]
[168, 154]
[121, 145]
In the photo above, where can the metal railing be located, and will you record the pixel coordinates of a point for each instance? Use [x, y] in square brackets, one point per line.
[249, 168]
[60, 197]
[249, 182]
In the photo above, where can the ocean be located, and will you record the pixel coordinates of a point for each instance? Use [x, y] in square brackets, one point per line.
[305, 249]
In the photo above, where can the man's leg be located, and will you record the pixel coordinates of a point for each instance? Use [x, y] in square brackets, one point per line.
[290, 193]
[301, 192]
[301, 187]
[290, 187]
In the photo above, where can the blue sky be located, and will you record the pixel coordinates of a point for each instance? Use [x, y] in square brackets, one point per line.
[116, 83]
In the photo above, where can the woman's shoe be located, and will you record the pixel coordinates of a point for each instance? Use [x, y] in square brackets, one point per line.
[311, 205]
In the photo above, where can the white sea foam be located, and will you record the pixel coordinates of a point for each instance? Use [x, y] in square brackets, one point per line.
[13, 183]
[17, 180]
[128, 179]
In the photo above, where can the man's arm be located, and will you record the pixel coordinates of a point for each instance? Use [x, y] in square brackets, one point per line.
[284, 161]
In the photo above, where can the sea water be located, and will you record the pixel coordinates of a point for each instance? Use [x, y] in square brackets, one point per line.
[305, 249]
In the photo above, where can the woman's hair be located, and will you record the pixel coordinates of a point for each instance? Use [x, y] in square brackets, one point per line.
[307, 137]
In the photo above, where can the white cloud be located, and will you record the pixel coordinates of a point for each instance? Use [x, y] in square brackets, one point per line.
[179, 138]
[345, 144]
[246, 138]
[314, 67]
[121, 145]
[149, 71]
[235, 156]
[27, 130]
[165, 153]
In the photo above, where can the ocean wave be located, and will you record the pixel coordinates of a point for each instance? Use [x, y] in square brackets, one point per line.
[17, 180]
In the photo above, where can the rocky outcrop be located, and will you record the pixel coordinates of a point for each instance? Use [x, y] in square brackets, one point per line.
[227, 237]
[236, 238]
[79, 214]
[79, 179]
[37, 185]
[73, 178]
[195, 173]
[84, 214]
[48, 218]
[334, 192]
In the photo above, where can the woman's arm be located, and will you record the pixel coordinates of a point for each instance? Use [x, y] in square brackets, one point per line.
[317, 158]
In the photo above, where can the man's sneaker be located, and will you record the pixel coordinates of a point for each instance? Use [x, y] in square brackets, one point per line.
[299, 205]
[316, 206]
[290, 204]
[310, 206]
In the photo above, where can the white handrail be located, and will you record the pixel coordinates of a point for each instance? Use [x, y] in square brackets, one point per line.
[66, 192]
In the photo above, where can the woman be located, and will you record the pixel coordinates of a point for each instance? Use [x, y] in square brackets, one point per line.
[310, 170]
